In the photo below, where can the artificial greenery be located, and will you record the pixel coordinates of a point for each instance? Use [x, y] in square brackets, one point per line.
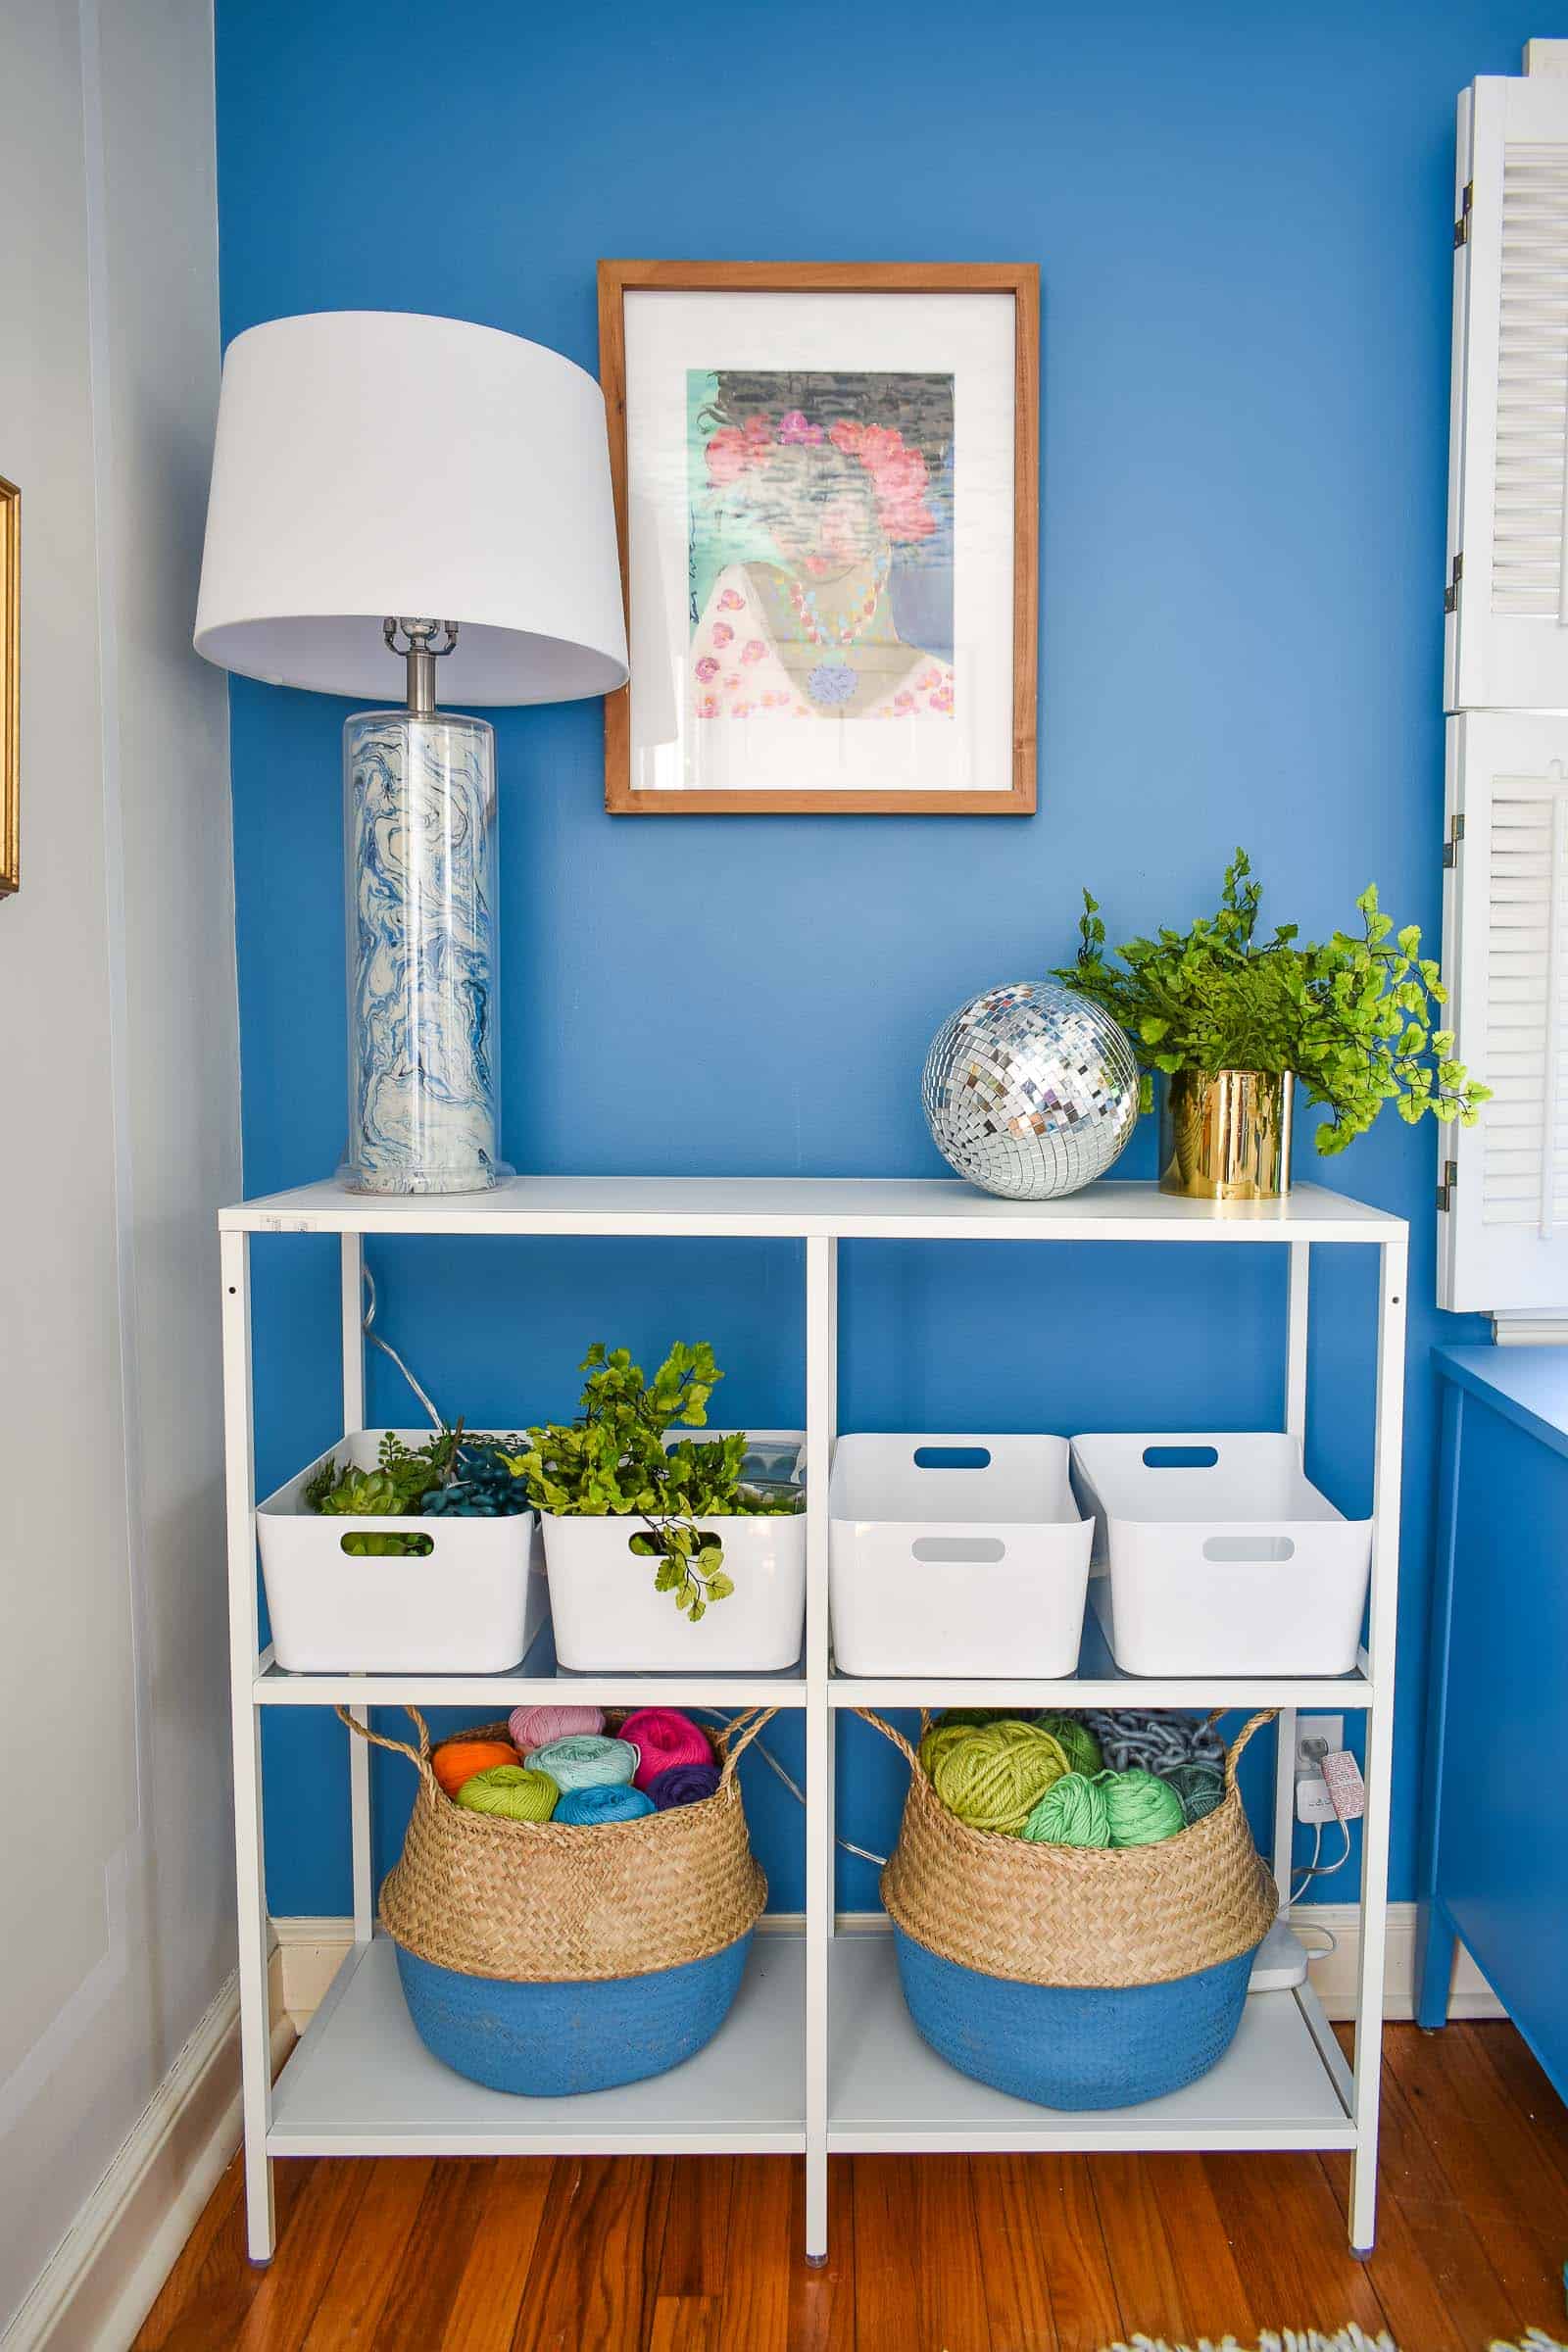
[447, 1476]
[612, 1462]
[1352, 1017]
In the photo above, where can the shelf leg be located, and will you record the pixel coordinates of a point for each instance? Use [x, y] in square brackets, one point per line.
[244, 1649]
[1284, 1804]
[821, 1286]
[353, 1318]
[1381, 1619]
[1435, 1940]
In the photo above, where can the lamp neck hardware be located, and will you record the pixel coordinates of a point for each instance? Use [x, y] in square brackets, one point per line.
[421, 654]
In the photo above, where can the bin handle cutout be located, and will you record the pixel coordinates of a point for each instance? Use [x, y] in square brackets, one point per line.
[1179, 1457]
[1249, 1548]
[974, 1550]
[952, 1458]
[414, 1546]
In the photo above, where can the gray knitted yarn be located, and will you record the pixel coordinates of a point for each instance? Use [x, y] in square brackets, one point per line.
[1133, 1740]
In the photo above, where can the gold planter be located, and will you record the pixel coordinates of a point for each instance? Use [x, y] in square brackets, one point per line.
[1226, 1136]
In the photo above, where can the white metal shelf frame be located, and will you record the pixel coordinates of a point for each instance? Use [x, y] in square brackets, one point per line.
[1285, 2082]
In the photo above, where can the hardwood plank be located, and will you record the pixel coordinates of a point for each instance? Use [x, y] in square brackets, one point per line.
[1143, 2278]
[886, 2304]
[348, 2317]
[1207, 2281]
[1059, 2196]
[754, 2311]
[695, 2252]
[1017, 2255]
[490, 2290]
[683, 2324]
[220, 2281]
[435, 2254]
[308, 2251]
[1528, 2089]
[1287, 2238]
[591, 2286]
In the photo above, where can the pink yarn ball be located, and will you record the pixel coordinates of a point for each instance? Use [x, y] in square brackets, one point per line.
[666, 1737]
[536, 1726]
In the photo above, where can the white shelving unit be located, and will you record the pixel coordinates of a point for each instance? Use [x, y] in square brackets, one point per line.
[818, 2055]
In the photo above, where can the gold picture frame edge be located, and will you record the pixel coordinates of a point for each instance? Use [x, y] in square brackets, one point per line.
[9, 688]
[1021, 280]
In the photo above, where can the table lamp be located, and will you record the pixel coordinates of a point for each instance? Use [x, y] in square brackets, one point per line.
[390, 486]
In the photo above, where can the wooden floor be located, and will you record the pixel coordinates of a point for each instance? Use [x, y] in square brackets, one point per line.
[929, 2253]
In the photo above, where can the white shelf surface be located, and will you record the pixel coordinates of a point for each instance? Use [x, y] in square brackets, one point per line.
[362, 2083]
[1097, 1683]
[537, 1680]
[1283, 2083]
[800, 1207]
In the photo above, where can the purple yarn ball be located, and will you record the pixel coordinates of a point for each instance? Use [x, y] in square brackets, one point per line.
[683, 1785]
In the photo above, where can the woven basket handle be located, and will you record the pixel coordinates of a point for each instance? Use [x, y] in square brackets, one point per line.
[1234, 1752]
[419, 1757]
[742, 1730]
[891, 1731]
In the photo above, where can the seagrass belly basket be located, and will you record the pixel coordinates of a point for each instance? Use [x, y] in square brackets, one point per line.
[1076, 1976]
[550, 1958]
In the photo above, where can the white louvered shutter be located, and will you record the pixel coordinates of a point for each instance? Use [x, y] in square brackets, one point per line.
[1503, 1237]
[1507, 626]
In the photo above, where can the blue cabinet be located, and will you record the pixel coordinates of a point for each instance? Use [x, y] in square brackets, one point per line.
[1495, 1836]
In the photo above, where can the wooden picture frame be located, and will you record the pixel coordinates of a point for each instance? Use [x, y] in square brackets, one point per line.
[1007, 747]
[9, 688]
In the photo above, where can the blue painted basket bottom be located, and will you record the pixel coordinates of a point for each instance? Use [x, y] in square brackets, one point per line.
[1065, 2046]
[549, 2041]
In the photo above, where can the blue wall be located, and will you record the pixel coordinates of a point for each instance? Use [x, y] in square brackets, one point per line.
[1244, 231]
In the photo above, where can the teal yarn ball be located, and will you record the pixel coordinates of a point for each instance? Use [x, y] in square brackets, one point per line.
[994, 1776]
[585, 1760]
[608, 1801]
[1079, 1745]
[1140, 1809]
[511, 1791]
[1072, 1812]
[1200, 1786]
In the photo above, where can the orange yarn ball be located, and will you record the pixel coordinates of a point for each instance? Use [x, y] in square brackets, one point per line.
[457, 1760]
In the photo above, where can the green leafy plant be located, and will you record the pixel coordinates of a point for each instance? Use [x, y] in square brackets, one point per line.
[612, 1462]
[399, 1488]
[1353, 1018]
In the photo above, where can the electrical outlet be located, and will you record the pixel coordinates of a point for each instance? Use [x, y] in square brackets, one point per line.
[1317, 1737]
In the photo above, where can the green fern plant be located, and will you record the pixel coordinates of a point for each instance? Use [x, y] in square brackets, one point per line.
[1354, 1018]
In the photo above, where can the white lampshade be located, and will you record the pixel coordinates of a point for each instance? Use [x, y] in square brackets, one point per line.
[376, 463]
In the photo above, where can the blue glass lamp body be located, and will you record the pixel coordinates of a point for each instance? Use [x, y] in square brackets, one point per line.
[420, 868]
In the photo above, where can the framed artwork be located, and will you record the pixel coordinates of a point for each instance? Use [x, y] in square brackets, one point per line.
[825, 480]
[9, 687]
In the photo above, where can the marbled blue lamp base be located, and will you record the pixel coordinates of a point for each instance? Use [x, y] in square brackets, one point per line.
[419, 866]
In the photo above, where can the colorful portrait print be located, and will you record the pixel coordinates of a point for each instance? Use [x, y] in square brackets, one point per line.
[820, 546]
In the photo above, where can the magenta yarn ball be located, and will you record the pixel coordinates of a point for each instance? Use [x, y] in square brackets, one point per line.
[536, 1726]
[667, 1737]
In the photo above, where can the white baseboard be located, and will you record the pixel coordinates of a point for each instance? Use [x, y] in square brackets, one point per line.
[309, 1951]
[104, 2275]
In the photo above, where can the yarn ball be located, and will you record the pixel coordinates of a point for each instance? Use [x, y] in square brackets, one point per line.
[1140, 1809]
[666, 1737]
[957, 1725]
[511, 1791]
[683, 1785]
[457, 1760]
[1201, 1787]
[1078, 1742]
[995, 1776]
[590, 1808]
[584, 1760]
[1072, 1812]
[1134, 1740]
[536, 1726]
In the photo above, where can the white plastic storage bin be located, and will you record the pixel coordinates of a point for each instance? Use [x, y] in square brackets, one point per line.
[1216, 1555]
[469, 1605]
[609, 1619]
[938, 1565]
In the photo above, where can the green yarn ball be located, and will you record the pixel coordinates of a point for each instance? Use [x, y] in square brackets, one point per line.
[1140, 1809]
[512, 1791]
[995, 1775]
[957, 1725]
[1079, 1745]
[1201, 1787]
[1072, 1812]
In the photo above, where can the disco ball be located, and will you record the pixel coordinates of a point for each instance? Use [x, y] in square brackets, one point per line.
[1030, 1091]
